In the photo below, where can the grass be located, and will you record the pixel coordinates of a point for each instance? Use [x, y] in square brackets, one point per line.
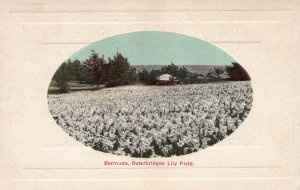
[70, 86]
[53, 84]
[77, 84]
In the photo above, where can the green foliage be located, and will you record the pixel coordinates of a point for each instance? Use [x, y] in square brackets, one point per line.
[96, 68]
[171, 69]
[62, 76]
[74, 69]
[119, 71]
[178, 72]
[216, 72]
[237, 72]
[182, 73]
[153, 76]
[143, 76]
[70, 71]
[77, 84]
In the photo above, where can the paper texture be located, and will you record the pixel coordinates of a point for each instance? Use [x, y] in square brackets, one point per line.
[37, 36]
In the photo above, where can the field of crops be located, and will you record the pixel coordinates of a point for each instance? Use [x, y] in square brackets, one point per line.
[149, 121]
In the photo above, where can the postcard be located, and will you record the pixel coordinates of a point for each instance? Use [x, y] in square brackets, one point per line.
[149, 95]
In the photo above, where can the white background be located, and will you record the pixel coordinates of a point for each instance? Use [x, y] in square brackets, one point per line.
[37, 36]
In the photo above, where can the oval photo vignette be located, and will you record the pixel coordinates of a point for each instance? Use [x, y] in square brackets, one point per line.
[150, 94]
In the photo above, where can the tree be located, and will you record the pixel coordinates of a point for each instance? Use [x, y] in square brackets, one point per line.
[209, 74]
[143, 76]
[219, 71]
[75, 70]
[96, 68]
[182, 74]
[153, 75]
[62, 76]
[132, 76]
[171, 69]
[84, 74]
[237, 72]
[119, 71]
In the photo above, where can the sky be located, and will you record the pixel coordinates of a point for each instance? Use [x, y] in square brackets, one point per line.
[157, 48]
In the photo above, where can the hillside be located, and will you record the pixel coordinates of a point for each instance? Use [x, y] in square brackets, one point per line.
[199, 69]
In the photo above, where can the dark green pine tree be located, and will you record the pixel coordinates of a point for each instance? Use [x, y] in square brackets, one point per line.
[96, 68]
[143, 76]
[119, 71]
[62, 76]
[75, 70]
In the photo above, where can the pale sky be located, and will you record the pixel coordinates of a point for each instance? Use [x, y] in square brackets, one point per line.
[158, 48]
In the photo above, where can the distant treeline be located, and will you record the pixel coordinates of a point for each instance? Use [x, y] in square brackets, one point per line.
[96, 70]
[117, 71]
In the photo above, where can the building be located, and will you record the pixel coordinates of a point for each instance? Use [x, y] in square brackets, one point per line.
[167, 79]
